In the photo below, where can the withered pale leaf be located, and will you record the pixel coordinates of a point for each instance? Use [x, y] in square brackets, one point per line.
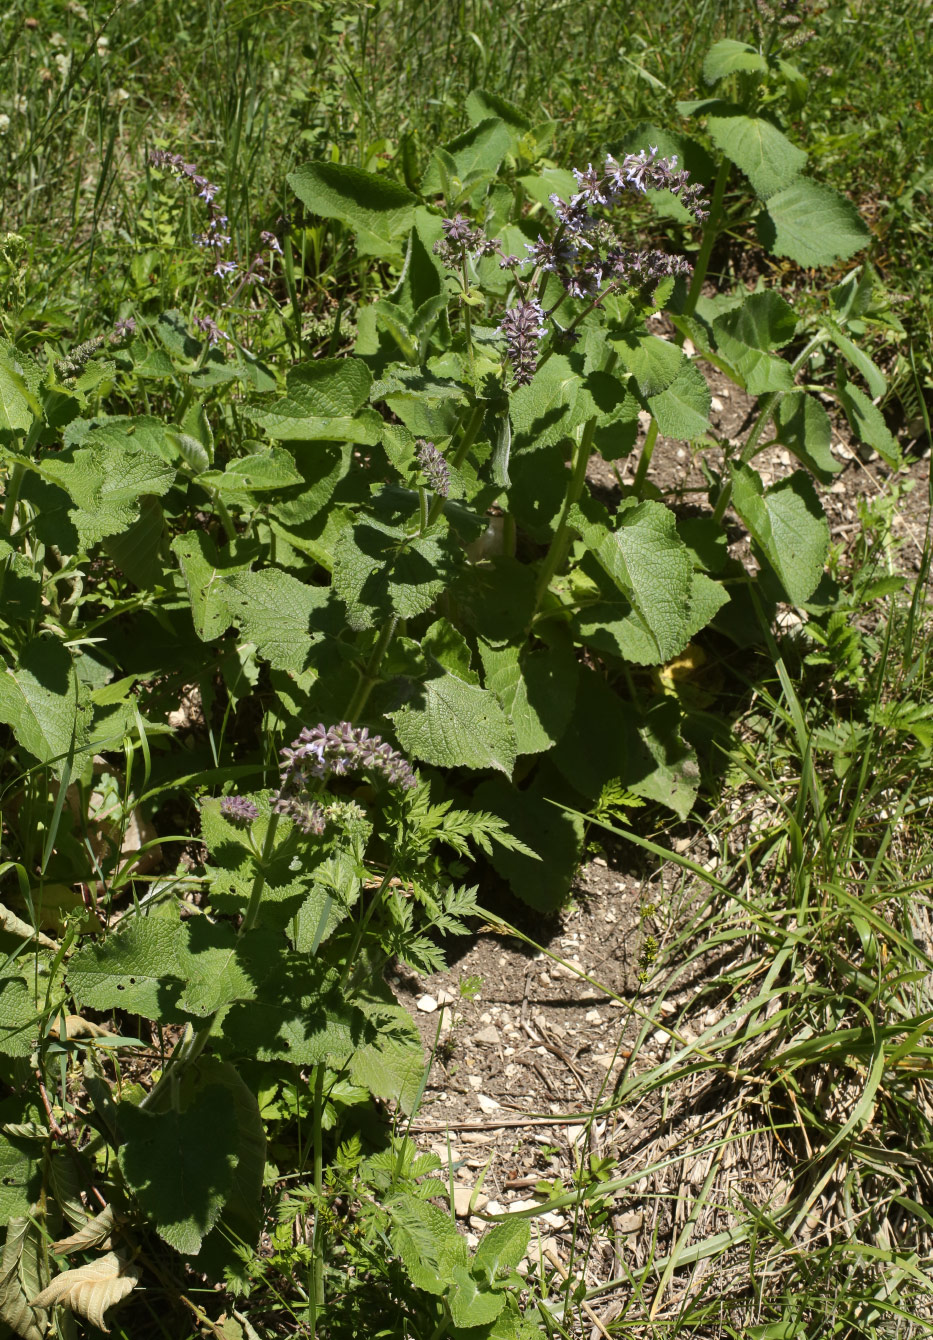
[20, 1276]
[90, 1290]
[94, 1233]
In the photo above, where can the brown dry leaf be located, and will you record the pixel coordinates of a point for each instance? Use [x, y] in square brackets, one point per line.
[76, 1027]
[95, 1233]
[91, 1290]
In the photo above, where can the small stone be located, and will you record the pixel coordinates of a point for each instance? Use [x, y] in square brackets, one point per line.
[544, 979]
[494, 1207]
[511, 1070]
[445, 998]
[476, 1082]
[593, 1017]
[518, 1205]
[446, 1022]
[715, 404]
[477, 1138]
[427, 1004]
[598, 860]
[488, 1036]
[487, 1104]
[463, 1196]
[604, 1060]
[554, 1220]
[629, 1223]
[485, 1017]
[472, 1239]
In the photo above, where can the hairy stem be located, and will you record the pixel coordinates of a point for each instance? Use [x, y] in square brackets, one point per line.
[560, 541]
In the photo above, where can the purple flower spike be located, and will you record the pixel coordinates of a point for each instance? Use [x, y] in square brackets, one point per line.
[322, 751]
[434, 467]
[239, 809]
[523, 327]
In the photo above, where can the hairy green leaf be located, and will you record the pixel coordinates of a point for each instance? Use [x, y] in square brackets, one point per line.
[812, 224]
[788, 524]
[767, 157]
[729, 57]
[453, 724]
[379, 211]
[381, 570]
[868, 425]
[802, 425]
[180, 1164]
[45, 704]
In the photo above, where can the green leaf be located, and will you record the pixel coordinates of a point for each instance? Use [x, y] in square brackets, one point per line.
[20, 1162]
[682, 409]
[320, 401]
[298, 1015]
[379, 211]
[20, 585]
[218, 967]
[535, 689]
[745, 334]
[860, 361]
[644, 753]
[653, 362]
[18, 406]
[787, 522]
[283, 616]
[470, 1303]
[481, 104]
[812, 225]
[649, 563]
[391, 1067]
[43, 702]
[136, 551]
[259, 472]
[502, 1247]
[180, 1165]
[137, 968]
[427, 1241]
[767, 157]
[802, 425]
[454, 724]
[206, 574]
[764, 321]
[556, 837]
[19, 1024]
[380, 570]
[476, 156]
[540, 411]
[868, 425]
[105, 482]
[241, 1217]
[729, 57]
[496, 597]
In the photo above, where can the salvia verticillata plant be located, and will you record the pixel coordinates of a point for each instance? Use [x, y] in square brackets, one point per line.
[397, 542]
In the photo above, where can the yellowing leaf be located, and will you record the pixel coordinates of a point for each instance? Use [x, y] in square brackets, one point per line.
[90, 1290]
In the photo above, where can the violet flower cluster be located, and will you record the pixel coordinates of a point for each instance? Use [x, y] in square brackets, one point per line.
[215, 239]
[523, 327]
[434, 467]
[323, 751]
[586, 251]
[239, 808]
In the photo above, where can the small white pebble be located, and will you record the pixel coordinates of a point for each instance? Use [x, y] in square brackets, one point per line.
[427, 1004]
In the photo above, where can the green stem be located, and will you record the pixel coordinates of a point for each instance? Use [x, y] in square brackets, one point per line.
[195, 1039]
[769, 405]
[560, 541]
[17, 474]
[710, 233]
[317, 1255]
[647, 452]
[370, 676]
